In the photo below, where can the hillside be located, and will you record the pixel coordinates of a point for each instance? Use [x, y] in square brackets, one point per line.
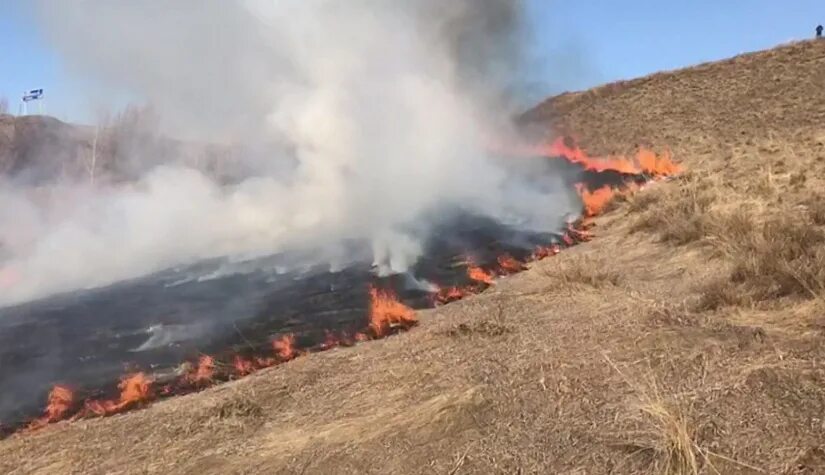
[35, 150]
[687, 337]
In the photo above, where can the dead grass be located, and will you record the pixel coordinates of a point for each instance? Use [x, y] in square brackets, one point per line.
[666, 437]
[814, 203]
[719, 293]
[589, 271]
[780, 256]
[239, 409]
[673, 439]
[677, 214]
[483, 328]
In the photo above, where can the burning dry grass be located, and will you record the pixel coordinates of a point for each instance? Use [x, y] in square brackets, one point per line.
[464, 396]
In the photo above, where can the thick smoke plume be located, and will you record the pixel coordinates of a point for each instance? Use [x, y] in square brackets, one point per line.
[367, 117]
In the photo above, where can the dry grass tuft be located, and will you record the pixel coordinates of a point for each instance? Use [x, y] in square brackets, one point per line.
[483, 328]
[239, 410]
[672, 315]
[780, 256]
[240, 406]
[815, 206]
[666, 436]
[592, 272]
[678, 214]
[720, 293]
[673, 442]
[642, 201]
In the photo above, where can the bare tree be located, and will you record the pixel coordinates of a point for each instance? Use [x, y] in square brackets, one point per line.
[91, 162]
[4, 105]
[123, 143]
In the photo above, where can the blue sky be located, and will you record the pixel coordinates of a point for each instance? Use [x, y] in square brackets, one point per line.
[580, 43]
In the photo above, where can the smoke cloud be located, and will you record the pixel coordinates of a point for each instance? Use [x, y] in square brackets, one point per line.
[372, 115]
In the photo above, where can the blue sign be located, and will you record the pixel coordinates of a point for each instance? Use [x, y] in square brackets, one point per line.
[33, 95]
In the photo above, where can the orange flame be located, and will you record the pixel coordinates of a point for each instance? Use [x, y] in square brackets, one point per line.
[60, 401]
[285, 347]
[449, 294]
[543, 252]
[204, 372]
[479, 275]
[581, 233]
[265, 362]
[595, 201]
[658, 166]
[574, 154]
[509, 264]
[387, 312]
[243, 366]
[646, 161]
[134, 389]
[330, 340]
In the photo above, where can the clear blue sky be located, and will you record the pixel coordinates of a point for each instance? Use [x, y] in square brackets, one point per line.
[584, 43]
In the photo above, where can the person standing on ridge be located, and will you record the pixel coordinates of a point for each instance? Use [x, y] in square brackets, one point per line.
[819, 31]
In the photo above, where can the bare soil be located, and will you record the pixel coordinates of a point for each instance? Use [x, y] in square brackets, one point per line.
[688, 337]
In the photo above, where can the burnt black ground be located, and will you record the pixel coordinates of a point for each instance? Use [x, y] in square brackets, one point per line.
[88, 339]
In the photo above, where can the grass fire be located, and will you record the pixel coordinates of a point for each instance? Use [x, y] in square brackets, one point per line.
[324, 237]
[385, 313]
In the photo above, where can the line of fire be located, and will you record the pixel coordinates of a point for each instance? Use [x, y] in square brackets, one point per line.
[100, 374]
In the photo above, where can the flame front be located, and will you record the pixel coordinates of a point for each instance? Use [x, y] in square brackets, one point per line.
[204, 372]
[509, 264]
[543, 252]
[60, 402]
[243, 366]
[479, 275]
[330, 340]
[646, 161]
[134, 389]
[449, 294]
[285, 347]
[386, 312]
[657, 166]
[595, 201]
[559, 148]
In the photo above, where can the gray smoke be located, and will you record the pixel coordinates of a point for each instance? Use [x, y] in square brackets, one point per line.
[380, 110]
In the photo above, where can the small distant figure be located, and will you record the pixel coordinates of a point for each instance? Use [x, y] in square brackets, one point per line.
[819, 31]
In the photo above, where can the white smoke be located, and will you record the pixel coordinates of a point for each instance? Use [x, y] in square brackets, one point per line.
[385, 106]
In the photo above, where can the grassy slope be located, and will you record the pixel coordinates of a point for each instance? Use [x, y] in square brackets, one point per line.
[688, 337]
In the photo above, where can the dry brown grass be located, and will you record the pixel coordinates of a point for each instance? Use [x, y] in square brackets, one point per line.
[673, 439]
[665, 435]
[781, 256]
[513, 380]
[595, 272]
[677, 214]
[719, 293]
[815, 205]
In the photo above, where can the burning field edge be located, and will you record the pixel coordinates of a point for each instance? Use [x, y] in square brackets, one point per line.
[387, 314]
